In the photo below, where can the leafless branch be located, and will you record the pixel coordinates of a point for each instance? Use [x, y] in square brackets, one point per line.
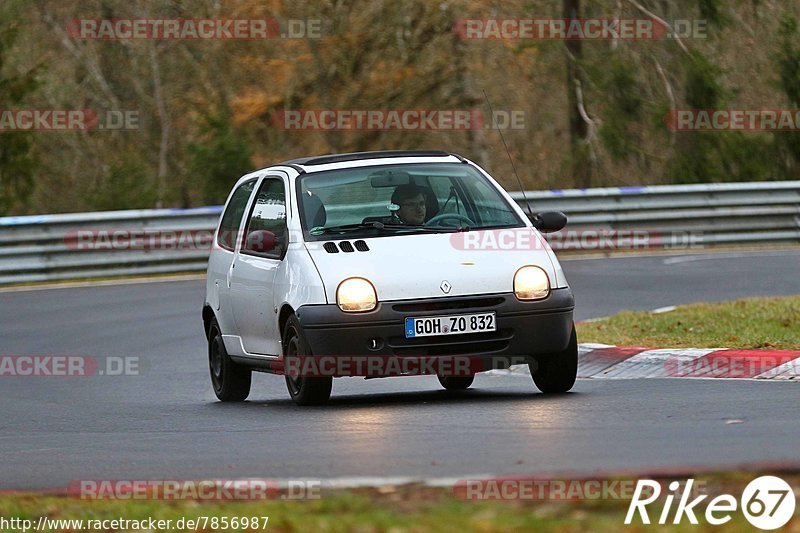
[592, 124]
[91, 64]
[163, 117]
[670, 93]
[649, 13]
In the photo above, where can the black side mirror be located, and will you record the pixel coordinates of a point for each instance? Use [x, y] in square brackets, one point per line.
[549, 221]
[261, 241]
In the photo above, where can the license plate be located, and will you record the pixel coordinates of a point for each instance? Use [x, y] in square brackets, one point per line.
[450, 325]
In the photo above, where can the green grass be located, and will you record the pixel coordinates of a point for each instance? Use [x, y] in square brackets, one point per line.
[410, 508]
[772, 323]
[342, 511]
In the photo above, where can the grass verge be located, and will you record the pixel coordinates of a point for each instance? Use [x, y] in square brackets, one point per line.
[404, 508]
[772, 323]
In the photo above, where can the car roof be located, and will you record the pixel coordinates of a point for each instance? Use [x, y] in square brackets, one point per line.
[322, 163]
[306, 164]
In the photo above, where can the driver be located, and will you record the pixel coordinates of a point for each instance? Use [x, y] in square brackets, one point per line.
[411, 206]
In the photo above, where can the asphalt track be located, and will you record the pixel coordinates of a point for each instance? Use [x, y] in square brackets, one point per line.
[165, 423]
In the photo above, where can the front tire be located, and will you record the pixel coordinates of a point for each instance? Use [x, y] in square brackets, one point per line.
[231, 381]
[304, 390]
[456, 382]
[555, 373]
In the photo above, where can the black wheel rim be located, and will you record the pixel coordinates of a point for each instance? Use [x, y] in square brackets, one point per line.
[215, 361]
[295, 383]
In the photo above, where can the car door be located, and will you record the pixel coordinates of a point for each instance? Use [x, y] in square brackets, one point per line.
[221, 258]
[253, 273]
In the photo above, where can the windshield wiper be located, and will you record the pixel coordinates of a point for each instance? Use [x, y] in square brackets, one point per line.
[344, 228]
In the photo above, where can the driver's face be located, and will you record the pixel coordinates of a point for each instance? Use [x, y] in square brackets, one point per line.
[412, 210]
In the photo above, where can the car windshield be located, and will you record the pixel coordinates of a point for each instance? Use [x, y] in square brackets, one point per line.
[400, 199]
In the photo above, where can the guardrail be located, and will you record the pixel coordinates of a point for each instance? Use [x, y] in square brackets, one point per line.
[704, 214]
[43, 247]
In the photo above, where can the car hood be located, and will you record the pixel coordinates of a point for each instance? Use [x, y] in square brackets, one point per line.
[403, 267]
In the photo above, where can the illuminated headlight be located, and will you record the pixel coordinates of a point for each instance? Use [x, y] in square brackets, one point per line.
[356, 294]
[531, 283]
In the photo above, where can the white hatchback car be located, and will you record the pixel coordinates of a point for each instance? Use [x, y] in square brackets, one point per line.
[383, 263]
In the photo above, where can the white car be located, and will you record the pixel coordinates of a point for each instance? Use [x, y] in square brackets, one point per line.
[378, 264]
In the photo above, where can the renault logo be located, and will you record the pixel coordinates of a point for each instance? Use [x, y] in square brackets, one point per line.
[445, 286]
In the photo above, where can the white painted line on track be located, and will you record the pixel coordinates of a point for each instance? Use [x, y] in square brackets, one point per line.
[728, 255]
[103, 283]
[667, 309]
[789, 370]
[710, 253]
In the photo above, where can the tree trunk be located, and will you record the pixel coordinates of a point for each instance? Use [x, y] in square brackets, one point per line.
[578, 129]
[163, 118]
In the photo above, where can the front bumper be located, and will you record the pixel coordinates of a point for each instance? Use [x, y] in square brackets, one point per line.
[523, 328]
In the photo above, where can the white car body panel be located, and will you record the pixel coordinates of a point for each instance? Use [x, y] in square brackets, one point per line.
[414, 266]
[400, 267]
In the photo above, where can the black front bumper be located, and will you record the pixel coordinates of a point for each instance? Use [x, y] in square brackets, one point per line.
[523, 328]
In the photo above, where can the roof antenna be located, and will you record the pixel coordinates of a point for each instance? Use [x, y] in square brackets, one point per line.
[519, 182]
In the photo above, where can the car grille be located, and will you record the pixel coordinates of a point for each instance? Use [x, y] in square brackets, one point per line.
[446, 304]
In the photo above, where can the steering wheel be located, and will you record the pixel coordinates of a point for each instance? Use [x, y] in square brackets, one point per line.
[449, 216]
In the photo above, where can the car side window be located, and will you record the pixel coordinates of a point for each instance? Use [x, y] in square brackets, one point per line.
[269, 213]
[229, 224]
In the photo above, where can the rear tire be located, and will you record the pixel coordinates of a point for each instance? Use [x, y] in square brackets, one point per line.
[231, 381]
[456, 382]
[555, 373]
[304, 390]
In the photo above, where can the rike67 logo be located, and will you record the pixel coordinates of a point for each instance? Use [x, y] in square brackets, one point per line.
[767, 502]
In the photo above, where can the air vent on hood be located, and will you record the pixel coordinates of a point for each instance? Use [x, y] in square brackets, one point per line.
[346, 247]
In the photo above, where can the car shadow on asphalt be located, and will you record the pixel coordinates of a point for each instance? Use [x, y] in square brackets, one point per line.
[412, 398]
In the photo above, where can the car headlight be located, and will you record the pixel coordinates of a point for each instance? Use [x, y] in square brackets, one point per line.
[356, 294]
[531, 283]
